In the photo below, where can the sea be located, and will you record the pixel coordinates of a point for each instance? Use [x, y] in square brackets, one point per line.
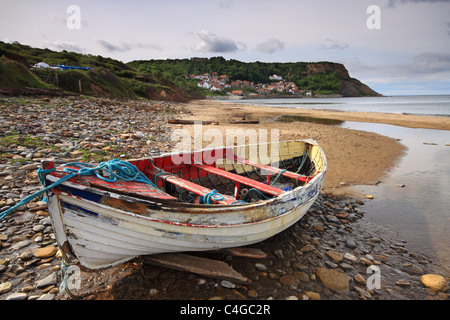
[413, 201]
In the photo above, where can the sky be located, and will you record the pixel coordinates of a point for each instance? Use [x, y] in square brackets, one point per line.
[396, 47]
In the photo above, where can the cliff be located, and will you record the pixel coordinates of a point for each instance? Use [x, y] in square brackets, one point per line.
[348, 87]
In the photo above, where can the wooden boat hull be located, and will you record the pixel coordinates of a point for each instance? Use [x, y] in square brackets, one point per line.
[102, 228]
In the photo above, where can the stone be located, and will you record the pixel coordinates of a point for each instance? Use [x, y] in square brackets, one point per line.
[336, 256]
[5, 287]
[47, 281]
[434, 281]
[288, 280]
[312, 295]
[350, 257]
[21, 244]
[350, 243]
[307, 248]
[47, 296]
[45, 252]
[260, 267]
[17, 296]
[227, 284]
[333, 279]
[360, 279]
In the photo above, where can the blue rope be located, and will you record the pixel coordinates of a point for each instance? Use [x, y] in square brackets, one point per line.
[36, 194]
[117, 169]
[213, 195]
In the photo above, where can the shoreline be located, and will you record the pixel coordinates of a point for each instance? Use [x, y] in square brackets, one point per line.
[353, 156]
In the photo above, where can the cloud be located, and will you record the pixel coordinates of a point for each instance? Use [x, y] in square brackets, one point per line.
[330, 44]
[270, 46]
[64, 45]
[393, 3]
[209, 42]
[225, 4]
[125, 46]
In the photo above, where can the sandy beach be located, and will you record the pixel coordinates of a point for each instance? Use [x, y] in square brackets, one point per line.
[354, 157]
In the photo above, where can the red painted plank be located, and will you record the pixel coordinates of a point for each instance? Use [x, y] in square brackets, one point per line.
[267, 168]
[190, 186]
[235, 177]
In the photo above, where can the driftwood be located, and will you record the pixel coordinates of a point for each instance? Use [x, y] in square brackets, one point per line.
[203, 266]
[180, 121]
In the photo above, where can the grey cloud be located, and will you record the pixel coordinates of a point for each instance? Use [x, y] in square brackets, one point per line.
[431, 62]
[393, 3]
[64, 45]
[225, 4]
[209, 42]
[270, 46]
[330, 44]
[124, 46]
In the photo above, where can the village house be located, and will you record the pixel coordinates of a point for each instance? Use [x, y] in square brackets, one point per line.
[220, 83]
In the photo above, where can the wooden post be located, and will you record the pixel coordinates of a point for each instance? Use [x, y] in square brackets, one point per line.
[79, 85]
[56, 79]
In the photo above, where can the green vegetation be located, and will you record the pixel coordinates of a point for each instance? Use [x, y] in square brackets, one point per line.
[326, 82]
[160, 79]
[108, 77]
[14, 74]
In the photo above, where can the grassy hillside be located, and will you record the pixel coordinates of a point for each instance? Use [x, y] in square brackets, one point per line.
[108, 77]
[14, 74]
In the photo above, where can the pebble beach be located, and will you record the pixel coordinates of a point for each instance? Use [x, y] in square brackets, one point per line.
[333, 253]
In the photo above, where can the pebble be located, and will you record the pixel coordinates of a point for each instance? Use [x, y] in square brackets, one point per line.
[434, 281]
[47, 281]
[332, 279]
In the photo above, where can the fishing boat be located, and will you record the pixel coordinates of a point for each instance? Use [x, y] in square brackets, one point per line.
[210, 199]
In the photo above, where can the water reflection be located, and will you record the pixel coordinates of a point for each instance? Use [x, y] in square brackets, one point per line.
[420, 210]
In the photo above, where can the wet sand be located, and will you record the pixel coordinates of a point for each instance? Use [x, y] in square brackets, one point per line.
[354, 157]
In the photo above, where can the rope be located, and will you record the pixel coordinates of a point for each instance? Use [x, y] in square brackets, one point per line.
[213, 195]
[36, 194]
[116, 169]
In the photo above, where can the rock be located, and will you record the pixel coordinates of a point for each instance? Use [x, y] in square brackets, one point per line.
[362, 293]
[350, 243]
[21, 244]
[360, 279]
[17, 296]
[332, 279]
[288, 281]
[336, 256]
[47, 296]
[47, 281]
[312, 295]
[5, 287]
[350, 257]
[402, 282]
[307, 248]
[434, 281]
[369, 196]
[45, 252]
[252, 294]
[260, 267]
[227, 284]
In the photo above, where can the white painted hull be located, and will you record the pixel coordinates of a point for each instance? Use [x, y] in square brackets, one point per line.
[102, 235]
